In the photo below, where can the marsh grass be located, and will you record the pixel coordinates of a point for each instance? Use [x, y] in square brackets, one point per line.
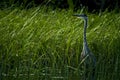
[41, 43]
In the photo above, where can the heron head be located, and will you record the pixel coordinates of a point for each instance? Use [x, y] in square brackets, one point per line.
[84, 16]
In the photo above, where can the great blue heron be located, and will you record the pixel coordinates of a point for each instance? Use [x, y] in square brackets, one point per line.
[87, 56]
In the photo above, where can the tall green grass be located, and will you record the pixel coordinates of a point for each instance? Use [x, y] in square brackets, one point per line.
[41, 43]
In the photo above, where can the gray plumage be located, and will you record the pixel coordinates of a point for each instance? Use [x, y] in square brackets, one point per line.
[87, 56]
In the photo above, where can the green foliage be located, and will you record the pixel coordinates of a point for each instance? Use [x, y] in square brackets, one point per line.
[43, 44]
[71, 5]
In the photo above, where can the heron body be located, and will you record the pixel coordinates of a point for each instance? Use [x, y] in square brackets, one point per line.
[87, 55]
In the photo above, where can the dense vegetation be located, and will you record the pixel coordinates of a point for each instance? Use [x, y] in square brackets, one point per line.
[41, 43]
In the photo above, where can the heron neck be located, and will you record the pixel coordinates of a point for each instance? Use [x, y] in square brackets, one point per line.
[84, 34]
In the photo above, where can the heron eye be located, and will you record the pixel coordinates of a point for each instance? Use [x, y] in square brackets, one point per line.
[84, 15]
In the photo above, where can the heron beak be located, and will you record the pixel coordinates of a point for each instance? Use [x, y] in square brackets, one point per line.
[78, 15]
